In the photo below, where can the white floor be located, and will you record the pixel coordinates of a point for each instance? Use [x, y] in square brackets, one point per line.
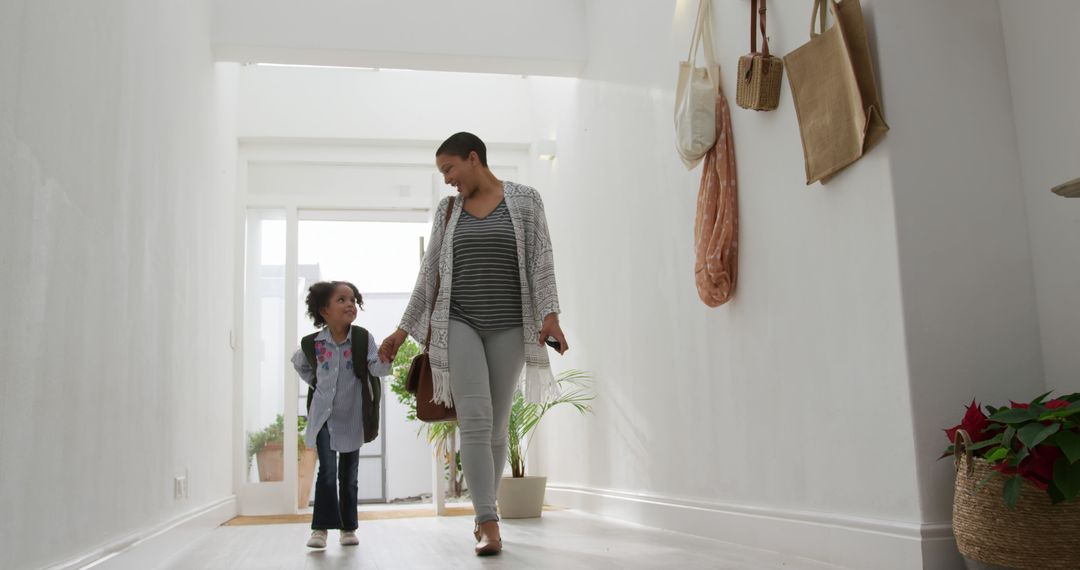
[561, 540]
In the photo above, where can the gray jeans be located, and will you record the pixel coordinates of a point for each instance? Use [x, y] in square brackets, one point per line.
[484, 369]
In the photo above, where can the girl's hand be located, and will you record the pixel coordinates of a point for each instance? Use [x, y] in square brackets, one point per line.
[389, 348]
[551, 328]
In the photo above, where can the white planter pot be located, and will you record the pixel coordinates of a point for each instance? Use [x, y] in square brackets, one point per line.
[521, 497]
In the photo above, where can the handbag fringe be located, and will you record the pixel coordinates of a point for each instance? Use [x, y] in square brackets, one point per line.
[440, 380]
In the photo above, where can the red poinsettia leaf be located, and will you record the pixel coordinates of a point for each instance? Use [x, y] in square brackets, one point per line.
[1039, 466]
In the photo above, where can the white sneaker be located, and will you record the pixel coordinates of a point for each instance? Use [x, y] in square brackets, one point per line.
[317, 540]
[348, 538]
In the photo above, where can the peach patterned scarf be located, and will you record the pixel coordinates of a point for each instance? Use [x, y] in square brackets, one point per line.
[716, 226]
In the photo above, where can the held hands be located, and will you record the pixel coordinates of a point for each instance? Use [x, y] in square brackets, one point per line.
[389, 348]
[551, 328]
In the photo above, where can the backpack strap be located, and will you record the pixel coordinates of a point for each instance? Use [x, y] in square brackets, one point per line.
[307, 345]
[370, 386]
[359, 352]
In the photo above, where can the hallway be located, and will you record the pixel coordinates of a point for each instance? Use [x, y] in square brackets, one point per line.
[168, 167]
[563, 540]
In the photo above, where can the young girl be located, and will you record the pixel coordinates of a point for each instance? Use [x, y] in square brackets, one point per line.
[341, 394]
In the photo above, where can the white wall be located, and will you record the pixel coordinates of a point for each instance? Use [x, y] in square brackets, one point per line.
[868, 310]
[493, 36]
[116, 248]
[969, 301]
[791, 401]
[1042, 50]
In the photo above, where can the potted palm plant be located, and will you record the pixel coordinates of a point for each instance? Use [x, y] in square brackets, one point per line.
[521, 495]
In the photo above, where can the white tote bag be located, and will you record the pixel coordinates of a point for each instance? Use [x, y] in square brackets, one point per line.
[695, 94]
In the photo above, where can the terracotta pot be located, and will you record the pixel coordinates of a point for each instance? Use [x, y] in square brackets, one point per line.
[271, 461]
[305, 475]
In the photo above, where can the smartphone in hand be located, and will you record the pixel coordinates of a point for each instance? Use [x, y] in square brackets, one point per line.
[550, 341]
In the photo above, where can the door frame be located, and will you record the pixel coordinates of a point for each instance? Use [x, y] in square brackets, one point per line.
[412, 156]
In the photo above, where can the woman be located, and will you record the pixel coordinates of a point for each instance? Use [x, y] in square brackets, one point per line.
[496, 306]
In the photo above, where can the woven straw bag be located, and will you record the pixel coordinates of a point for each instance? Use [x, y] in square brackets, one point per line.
[1036, 534]
[760, 74]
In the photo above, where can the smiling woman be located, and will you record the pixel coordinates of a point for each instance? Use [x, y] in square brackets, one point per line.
[483, 305]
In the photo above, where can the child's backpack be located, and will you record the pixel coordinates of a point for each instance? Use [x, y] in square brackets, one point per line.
[370, 386]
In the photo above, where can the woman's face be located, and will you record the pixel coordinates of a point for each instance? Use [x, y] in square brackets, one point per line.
[458, 172]
[341, 310]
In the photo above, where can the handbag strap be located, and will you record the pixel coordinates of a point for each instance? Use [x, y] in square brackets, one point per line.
[754, 11]
[438, 277]
[703, 33]
[817, 17]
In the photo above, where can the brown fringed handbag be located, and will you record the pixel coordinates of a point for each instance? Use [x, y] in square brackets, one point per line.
[420, 382]
[760, 74]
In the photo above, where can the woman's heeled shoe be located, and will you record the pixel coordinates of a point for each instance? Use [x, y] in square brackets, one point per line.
[486, 545]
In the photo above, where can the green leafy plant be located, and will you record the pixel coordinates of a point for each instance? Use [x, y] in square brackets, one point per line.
[443, 435]
[575, 387]
[400, 370]
[1037, 443]
[274, 433]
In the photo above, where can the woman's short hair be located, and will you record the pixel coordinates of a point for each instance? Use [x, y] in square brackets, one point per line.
[461, 144]
[319, 295]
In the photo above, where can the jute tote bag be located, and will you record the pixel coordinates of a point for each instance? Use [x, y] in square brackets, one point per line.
[833, 88]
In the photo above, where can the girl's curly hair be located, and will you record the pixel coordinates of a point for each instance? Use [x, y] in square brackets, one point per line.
[318, 298]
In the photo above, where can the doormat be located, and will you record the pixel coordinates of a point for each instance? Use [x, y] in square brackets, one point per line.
[361, 515]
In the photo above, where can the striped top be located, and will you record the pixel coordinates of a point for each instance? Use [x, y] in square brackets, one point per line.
[486, 289]
[539, 295]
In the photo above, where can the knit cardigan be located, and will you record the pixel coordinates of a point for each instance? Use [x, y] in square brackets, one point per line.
[539, 297]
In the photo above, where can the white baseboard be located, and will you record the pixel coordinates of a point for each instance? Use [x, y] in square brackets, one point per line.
[841, 540]
[150, 547]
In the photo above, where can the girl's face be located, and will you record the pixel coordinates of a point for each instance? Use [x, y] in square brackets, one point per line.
[341, 310]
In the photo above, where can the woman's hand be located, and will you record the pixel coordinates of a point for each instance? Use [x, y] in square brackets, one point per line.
[551, 328]
[389, 347]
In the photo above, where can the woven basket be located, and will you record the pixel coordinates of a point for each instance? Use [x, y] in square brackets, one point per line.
[758, 87]
[1036, 534]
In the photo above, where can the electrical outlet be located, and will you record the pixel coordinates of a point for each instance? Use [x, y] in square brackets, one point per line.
[180, 487]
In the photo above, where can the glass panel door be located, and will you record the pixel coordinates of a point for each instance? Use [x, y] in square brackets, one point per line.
[382, 259]
[264, 326]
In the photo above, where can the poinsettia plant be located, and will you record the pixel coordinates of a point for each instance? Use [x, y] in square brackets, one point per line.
[1036, 442]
